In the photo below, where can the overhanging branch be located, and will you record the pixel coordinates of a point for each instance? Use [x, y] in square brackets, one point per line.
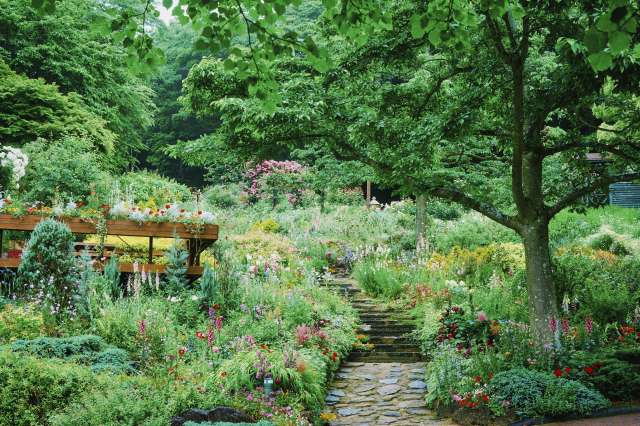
[588, 189]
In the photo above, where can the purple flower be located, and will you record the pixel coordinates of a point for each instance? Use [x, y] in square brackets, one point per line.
[142, 327]
[553, 325]
[588, 325]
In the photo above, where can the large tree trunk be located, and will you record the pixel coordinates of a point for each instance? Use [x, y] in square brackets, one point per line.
[543, 309]
[422, 244]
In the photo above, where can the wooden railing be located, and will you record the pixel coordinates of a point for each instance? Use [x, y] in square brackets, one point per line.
[198, 237]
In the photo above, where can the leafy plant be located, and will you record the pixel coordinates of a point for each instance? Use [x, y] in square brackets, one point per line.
[176, 269]
[20, 322]
[48, 272]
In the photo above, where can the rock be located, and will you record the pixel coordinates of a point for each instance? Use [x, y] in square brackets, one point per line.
[364, 388]
[219, 414]
[332, 398]
[391, 413]
[417, 384]
[366, 376]
[417, 370]
[343, 376]
[418, 411]
[353, 364]
[389, 389]
[389, 380]
[336, 392]
[344, 412]
[415, 403]
[386, 420]
[396, 369]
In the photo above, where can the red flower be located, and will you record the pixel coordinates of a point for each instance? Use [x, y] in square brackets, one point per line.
[200, 335]
[334, 357]
[182, 351]
[167, 206]
[485, 398]
[588, 370]
[478, 379]
[490, 376]
[557, 372]
[567, 370]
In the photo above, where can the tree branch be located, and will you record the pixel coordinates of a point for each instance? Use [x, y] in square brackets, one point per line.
[587, 189]
[486, 209]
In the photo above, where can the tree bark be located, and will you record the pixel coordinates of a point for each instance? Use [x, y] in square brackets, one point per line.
[540, 286]
[422, 243]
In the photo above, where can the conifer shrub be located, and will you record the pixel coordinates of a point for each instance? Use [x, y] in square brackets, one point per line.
[48, 272]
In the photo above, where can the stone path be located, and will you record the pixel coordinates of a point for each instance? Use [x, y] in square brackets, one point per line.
[380, 394]
[383, 386]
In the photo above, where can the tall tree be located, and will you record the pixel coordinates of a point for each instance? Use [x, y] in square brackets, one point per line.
[64, 49]
[514, 104]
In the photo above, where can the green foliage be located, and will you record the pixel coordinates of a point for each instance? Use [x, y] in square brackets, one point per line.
[151, 189]
[31, 389]
[260, 423]
[223, 196]
[19, 322]
[63, 48]
[62, 171]
[378, 280]
[30, 109]
[531, 393]
[87, 350]
[176, 269]
[47, 271]
[111, 274]
[131, 401]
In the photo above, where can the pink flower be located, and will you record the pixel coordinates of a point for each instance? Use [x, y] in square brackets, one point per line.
[303, 333]
[565, 326]
[553, 325]
[210, 337]
[588, 325]
[219, 322]
[482, 317]
[142, 327]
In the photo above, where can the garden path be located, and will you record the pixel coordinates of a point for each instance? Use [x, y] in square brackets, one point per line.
[384, 385]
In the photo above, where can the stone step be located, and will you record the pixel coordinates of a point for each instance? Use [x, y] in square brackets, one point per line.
[387, 314]
[381, 322]
[396, 347]
[386, 330]
[389, 340]
[385, 357]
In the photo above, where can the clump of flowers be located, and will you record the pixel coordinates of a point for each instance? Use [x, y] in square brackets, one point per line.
[272, 177]
[14, 161]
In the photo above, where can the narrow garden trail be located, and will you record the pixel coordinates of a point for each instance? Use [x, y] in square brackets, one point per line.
[384, 385]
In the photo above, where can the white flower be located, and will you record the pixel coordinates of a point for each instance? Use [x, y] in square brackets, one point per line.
[208, 217]
[194, 297]
[119, 210]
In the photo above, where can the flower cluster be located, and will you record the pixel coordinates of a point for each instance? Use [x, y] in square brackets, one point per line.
[16, 160]
[170, 212]
[257, 176]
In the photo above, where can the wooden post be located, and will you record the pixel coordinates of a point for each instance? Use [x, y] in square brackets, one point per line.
[368, 193]
[150, 250]
[1, 241]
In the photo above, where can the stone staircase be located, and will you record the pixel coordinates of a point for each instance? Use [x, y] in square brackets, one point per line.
[389, 331]
[383, 386]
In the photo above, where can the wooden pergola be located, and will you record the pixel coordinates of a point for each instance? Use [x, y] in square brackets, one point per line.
[198, 237]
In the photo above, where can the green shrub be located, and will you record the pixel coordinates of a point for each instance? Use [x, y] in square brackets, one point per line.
[176, 272]
[47, 272]
[531, 393]
[19, 322]
[268, 226]
[153, 190]
[61, 171]
[602, 242]
[260, 423]
[32, 389]
[378, 280]
[87, 350]
[223, 196]
[130, 401]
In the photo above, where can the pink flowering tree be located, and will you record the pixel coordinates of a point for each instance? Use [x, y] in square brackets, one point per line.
[271, 180]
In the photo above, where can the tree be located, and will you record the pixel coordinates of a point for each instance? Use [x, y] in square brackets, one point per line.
[514, 105]
[63, 48]
[31, 109]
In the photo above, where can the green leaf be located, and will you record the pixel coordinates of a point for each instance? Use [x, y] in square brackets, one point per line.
[167, 3]
[619, 41]
[595, 40]
[37, 4]
[434, 37]
[417, 30]
[600, 61]
[605, 24]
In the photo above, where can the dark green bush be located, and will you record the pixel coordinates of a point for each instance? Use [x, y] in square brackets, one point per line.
[32, 389]
[532, 393]
[87, 350]
[602, 242]
[616, 374]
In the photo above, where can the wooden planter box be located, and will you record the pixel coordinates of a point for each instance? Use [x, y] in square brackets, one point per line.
[198, 237]
[127, 228]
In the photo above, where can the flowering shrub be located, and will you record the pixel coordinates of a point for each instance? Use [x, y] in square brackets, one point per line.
[466, 333]
[13, 164]
[272, 178]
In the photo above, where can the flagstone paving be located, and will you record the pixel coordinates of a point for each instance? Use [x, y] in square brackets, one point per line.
[380, 394]
[384, 386]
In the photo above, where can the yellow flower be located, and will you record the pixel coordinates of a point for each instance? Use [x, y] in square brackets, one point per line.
[327, 417]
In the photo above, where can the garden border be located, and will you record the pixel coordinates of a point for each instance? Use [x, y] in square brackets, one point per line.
[609, 412]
